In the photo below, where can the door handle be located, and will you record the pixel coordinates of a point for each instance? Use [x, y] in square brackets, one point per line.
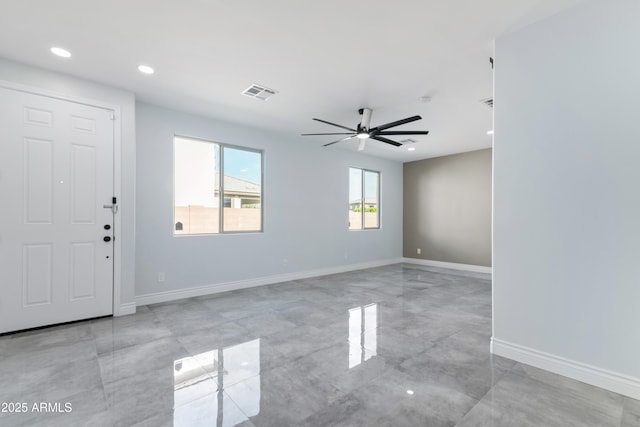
[114, 208]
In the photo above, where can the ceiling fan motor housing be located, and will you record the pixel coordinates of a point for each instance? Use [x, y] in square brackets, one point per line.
[365, 123]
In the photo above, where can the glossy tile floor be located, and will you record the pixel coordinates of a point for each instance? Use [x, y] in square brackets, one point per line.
[393, 346]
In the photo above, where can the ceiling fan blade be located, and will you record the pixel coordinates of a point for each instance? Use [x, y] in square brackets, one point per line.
[388, 141]
[396, 123]
[312, 134]
[340, 140]
[333, 124]
[404, 132]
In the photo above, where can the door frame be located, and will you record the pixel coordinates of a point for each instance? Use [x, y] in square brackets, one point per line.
[117, 308]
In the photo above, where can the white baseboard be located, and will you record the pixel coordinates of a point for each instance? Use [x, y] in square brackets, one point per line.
[176, 294]
[452, 265]
[598, 377]
[125, 309]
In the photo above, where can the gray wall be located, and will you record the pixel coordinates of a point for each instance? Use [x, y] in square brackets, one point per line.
[447, 208]
[566, 195]
[61, 84]
[305, 209]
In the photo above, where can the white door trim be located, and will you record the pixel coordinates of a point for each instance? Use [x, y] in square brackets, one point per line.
[118, 309]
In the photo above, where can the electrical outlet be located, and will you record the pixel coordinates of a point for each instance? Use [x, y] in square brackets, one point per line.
[161, 276]
[346, 255]
[285, 262]
[419, 251]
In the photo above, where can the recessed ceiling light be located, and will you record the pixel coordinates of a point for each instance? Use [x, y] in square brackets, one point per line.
[411, 148]
[490, 132]
[145, 69]
[63, 53]
[410, 392]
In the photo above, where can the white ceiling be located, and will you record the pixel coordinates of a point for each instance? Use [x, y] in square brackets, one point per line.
[326, 58]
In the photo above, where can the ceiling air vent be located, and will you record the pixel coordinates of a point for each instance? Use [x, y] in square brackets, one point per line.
[488, 102]
[260, 92]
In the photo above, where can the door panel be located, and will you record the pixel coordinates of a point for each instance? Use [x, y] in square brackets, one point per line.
[56, 173]
[83, 184]
[38, 181]
[37, 274]
[83, 270]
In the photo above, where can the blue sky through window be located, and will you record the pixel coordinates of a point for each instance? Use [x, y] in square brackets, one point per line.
[242, 164]
[355, 184]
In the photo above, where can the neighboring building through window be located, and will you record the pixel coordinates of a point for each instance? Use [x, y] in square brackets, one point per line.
[198, 166]
[364, 212]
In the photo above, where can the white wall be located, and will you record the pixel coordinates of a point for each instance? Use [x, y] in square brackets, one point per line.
[73, 87]
[567, 194]
[305, 210]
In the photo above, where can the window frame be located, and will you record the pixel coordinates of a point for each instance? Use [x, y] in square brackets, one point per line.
[363, 198]
[222, 146]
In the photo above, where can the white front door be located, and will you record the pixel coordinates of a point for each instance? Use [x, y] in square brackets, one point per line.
[56, 173]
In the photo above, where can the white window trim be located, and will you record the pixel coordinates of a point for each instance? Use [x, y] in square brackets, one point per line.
[363, 199]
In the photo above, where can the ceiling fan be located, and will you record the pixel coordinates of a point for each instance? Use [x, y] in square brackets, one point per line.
[363, 130]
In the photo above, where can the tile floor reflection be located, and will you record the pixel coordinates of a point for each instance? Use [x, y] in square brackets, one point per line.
[400, 345]
[200, 381]
[363, 334]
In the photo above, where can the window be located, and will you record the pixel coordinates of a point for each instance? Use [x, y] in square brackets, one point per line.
[203, 171]
[364, 212]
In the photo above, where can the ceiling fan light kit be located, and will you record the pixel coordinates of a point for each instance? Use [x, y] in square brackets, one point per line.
[363, 130]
